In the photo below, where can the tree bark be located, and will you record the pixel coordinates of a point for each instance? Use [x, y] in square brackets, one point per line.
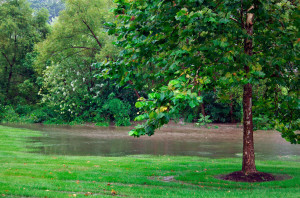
[8, 81]
[92, 32]
[248, 143]
[202, 107]
[10, 72]
[231, 110]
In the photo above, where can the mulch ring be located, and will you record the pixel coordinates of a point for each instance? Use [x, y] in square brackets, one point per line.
[240, 176]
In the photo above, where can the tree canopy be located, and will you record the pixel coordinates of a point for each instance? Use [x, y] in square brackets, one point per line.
[65, 62]
[190, 46]
[19, 30]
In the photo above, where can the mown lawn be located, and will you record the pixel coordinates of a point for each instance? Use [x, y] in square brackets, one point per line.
[25, 174]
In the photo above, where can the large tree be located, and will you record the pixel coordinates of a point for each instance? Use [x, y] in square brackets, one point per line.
[65, 59]
[20, 28]
[190, 46]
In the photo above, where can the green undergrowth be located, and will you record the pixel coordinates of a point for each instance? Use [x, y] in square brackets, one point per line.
[26, 174]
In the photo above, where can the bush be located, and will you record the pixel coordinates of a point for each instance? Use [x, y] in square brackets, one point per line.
[1, 112]
[203, 121]
[220, 111]
[23, 110]
[104, 124]
[189, 118]
[119, 111]
[9, 114]
[38, 116]
[262, 123]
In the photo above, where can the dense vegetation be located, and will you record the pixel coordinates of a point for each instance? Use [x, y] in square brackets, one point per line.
[61, 86]
[51, 76]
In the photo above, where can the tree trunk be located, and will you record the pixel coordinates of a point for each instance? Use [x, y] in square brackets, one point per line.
[202, 107]
[248, 143]
[231, 110]
[8, 82]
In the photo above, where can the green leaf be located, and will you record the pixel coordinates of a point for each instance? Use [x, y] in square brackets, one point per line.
[139, 104]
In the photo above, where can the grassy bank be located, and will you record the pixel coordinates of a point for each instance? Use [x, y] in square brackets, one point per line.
[25, 174]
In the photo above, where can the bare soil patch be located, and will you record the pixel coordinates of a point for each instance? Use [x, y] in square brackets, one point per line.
[163, 178]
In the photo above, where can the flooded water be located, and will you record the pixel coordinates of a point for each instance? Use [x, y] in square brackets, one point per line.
[174, 139]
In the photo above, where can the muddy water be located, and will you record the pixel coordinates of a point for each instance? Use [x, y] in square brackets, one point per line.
[174, 139]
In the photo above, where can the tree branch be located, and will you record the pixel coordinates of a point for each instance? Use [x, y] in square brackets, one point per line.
[235, 20]
[75, 47]
[242, 14]
[10, 64]
[219, 3]
[87, 25]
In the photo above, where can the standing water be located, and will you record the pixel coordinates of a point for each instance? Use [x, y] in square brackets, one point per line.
[173, 139]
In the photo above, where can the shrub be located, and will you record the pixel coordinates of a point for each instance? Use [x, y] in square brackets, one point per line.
[38, 116]
[9, 114]
[118, 111]
[262, 123]
[203, 121]
[23, 110]
[104, 124]
[1, 112]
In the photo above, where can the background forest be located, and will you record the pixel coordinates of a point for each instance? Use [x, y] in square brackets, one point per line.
[53, 6]
[50, 73]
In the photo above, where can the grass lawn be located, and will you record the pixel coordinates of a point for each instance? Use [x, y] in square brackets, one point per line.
[25, 174]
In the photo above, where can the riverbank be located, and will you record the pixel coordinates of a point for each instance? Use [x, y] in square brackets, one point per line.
[25, 174]
[172, 139]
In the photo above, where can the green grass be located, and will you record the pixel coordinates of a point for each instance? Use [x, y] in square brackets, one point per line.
[25, 174]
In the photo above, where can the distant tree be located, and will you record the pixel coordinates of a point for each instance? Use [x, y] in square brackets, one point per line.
[19, 30]
[53, 6]
[195, 45]
[66, 57]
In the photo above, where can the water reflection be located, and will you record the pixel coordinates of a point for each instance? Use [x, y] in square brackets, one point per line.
[226, 141]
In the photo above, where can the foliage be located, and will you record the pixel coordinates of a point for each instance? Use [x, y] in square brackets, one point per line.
[19, 30]
[1, 112]
[218, 107]
[39, 115]
[102, 123]
[65, 62]
[118, 110]
[23, 110]
[163, 105]
[203, 121]
[262, 123]
[9, 114]
[206, 43]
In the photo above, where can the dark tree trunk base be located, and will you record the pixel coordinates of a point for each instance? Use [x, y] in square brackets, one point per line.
[240, 176]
